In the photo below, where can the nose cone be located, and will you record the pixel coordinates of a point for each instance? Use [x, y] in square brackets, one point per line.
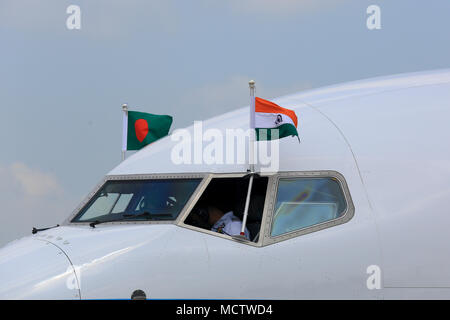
[31, 268]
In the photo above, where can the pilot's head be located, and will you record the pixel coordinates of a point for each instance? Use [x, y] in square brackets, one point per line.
[214, 214]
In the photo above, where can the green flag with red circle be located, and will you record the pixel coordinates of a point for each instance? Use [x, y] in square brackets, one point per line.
[145, 128]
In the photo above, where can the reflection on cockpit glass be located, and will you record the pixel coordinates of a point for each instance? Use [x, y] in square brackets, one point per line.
[304, 202]
[159, 199]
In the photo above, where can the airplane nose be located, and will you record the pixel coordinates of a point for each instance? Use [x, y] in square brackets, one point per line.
[32, 268]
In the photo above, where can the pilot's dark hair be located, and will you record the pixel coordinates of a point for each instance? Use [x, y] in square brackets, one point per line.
[212, 206]
[217, 201]
[207, 205]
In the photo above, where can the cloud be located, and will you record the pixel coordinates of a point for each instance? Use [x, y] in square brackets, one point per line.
[30, 198]
[33, 182]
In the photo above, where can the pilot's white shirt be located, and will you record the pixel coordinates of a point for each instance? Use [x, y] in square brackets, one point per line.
[230, 224]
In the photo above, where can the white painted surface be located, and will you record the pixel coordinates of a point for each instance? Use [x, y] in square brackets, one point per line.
[402, 151]
[35, 269]
[388, 137]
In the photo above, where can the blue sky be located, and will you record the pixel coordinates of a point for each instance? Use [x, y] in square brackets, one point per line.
[61, 90]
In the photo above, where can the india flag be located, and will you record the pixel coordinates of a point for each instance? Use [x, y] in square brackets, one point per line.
[269, 115]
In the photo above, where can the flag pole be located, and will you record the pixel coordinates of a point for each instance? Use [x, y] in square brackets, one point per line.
[124, 130]
[251, 85]
[251, 154]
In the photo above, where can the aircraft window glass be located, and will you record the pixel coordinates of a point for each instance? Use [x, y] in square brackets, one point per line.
[102, 204]
[138, 200]
[122, 203]
[225, 195]
[304, 202]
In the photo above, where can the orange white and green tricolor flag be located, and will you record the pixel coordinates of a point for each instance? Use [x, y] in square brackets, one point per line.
[269, 115]
[141, 129]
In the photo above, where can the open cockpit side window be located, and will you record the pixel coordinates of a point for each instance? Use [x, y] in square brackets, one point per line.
[222, 204]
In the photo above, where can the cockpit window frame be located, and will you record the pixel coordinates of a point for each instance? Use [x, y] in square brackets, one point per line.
[347, 215]
[86, 200]
[265, 237]
[199, 193]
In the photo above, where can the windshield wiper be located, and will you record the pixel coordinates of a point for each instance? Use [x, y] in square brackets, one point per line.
[34, 230]
[126, 216]
[148, 214]
[143, 214]
[93, 224]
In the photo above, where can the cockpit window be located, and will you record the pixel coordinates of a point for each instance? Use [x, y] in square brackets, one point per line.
[304, 202]
[138, 200]
[221, 206]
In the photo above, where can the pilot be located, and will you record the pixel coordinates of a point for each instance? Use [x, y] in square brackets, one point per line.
[226, 223]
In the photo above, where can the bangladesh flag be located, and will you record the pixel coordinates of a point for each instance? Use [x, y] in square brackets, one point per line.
[144, 128]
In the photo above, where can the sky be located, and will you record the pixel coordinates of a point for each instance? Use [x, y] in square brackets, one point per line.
[61, 90]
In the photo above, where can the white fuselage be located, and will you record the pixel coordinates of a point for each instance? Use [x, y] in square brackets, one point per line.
[386, 137]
